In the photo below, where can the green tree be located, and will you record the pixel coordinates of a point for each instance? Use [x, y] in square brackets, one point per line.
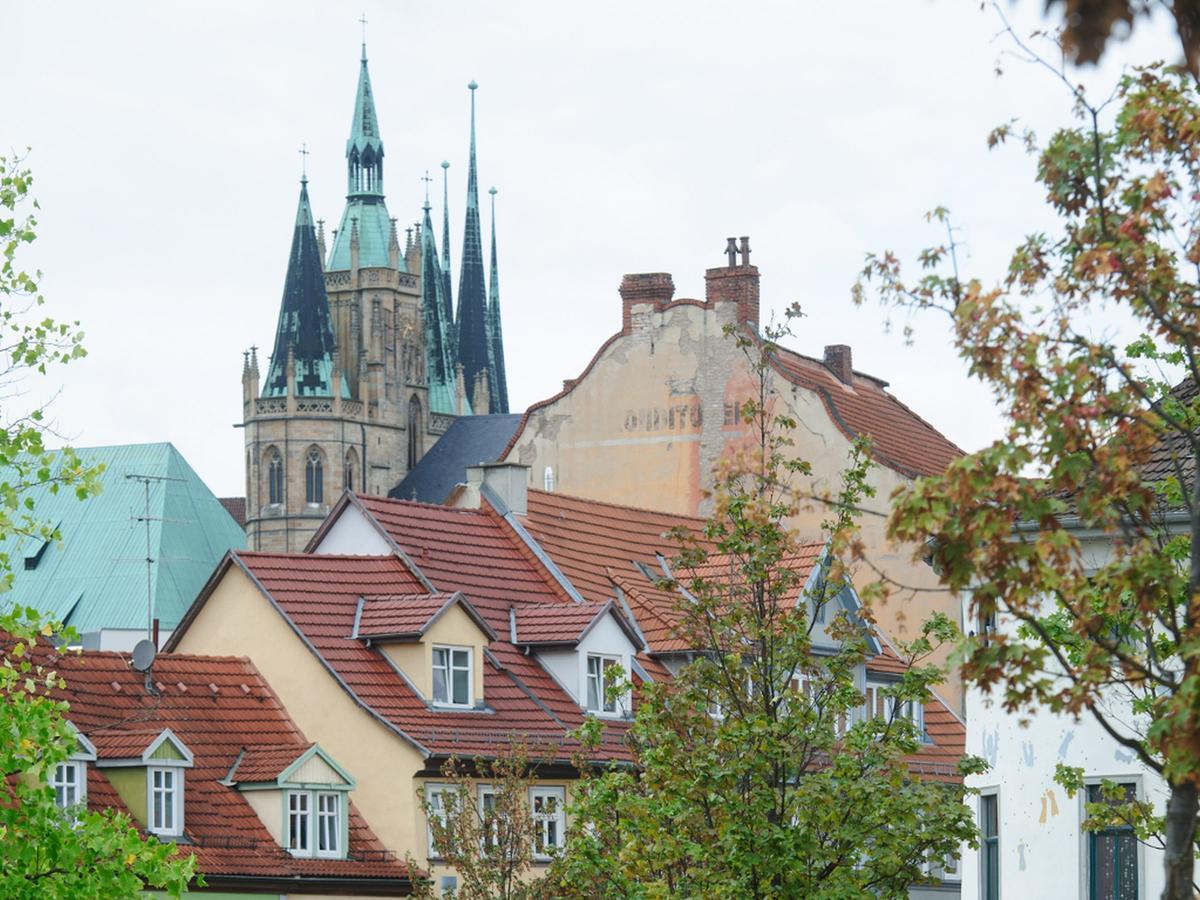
[754, 772]
[46, 852]
[1099, 436]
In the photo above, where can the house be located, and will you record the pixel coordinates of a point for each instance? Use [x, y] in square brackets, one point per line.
[200, 751]
[411, 633]
[134, 554]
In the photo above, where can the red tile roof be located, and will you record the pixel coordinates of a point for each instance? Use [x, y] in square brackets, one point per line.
[409, 615]
[218, 707]
[265, 763]
[901, 439]
[556, 623]
[319, 594]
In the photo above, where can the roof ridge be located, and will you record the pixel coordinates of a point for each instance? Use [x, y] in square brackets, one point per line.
[612, 505]
[279, 554]
[882, 383]
[526, 553]
[439, 506]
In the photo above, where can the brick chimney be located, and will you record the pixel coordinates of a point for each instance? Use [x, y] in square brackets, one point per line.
[838, 361]
[735, 282]
[650, 291]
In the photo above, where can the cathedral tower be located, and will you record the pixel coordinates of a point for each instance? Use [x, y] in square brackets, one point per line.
[347, 402]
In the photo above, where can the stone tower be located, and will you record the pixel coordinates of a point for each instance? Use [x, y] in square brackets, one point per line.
[348, 401]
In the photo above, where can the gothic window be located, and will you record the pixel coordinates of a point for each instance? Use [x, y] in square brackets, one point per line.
[314, 478]
[351, 458]
[274, 477]
[414, 432]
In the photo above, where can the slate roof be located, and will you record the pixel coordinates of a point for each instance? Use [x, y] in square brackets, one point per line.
[96, 578]
[218, 707]
[470, 440]
[236, 507]
[1171, 456]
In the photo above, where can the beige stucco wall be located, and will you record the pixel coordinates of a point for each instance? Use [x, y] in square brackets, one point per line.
[238, 621]
[647, 424]
[415, 658]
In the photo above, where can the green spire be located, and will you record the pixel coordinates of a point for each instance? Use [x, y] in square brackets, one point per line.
[446, 241]
[471, 320]
[364, 149]
[305, 331]
[497, 380]
[439, 359]
[364, 196]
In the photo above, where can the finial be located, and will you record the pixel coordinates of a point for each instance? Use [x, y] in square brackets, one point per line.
[445, 163]
[492, 190]
[363, 21]
[304, 163]
[472, 85]
[425, 178]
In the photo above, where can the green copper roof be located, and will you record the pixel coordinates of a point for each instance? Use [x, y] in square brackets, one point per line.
[370, 216]
[439, 359]
[446, 272]
[497, 380]
[364, 147]
[305, 329]
[96, 577]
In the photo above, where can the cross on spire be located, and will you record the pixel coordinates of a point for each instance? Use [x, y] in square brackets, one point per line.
[363, 21]
[304, 162]
[425, 178]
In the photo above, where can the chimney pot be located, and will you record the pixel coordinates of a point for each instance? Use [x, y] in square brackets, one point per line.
[734, 283]
[745, 250]
[839, 361]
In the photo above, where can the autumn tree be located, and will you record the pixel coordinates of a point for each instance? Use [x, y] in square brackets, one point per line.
[482, 825]
[755, 772]
[46, 851]
[1100, 435]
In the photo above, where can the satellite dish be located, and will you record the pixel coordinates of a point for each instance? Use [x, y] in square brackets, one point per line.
[143, 654]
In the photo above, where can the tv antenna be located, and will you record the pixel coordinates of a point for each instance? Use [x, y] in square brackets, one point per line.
[146, 519]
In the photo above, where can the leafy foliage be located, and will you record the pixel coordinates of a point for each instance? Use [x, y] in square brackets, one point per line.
[1100, 438]
[755, 772]
[44, 851]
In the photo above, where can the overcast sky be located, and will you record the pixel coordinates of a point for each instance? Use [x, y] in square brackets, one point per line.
[621, 136]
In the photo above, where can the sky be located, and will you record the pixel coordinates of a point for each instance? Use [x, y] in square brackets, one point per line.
[621, 136]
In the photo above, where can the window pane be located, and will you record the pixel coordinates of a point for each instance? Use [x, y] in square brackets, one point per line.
[462, 686]
[440, 694]
[593, 688]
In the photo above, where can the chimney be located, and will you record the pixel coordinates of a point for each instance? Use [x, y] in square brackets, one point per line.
[838, 361]
[649, 289]
[735, 282]
[503, 484]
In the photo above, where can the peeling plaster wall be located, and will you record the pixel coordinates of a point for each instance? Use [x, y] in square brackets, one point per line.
[1043, 851]
[653, 415]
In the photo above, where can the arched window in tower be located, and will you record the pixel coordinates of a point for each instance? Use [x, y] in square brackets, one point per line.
[314, 478]
[274, 477]
[414, 432]
[350, 469]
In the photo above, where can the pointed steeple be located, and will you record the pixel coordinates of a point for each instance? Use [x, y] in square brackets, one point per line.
[497, 380]
[446, 270]
[471, 319]
[304, 335]
[439, 356]
[364, 185]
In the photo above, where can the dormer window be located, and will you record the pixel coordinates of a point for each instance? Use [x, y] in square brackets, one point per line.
[314, 823]
[452, 676]
[70, 784]
[165, 790]
[598, 683]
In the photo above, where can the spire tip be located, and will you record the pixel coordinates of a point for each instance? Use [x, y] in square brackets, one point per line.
[471, 85]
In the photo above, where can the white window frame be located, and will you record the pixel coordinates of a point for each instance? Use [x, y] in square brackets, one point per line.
[540, 820]
[334, 852]
[450, 669]
[482, 792]
[601, 678]
[174, 828]
[435, 791]
[79, 768]
[292, 803]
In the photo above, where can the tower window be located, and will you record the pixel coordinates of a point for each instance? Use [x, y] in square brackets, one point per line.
[414, 432]
[548, 478]
[314, 479]
[275, 478]
[349, 482]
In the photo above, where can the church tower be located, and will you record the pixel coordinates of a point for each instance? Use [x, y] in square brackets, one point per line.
[353, 397]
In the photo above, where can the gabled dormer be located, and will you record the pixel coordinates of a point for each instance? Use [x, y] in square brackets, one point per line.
[581, 645]
[146, 767]
[300, 794]
[69, 778]
[435, 641]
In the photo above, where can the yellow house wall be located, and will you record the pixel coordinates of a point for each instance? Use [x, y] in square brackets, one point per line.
[415, 658]
[657, 411]
[238, 621]
[130, 784]
[268, 806]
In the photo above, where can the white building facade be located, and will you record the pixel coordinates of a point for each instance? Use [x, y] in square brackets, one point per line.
[1032, 842]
